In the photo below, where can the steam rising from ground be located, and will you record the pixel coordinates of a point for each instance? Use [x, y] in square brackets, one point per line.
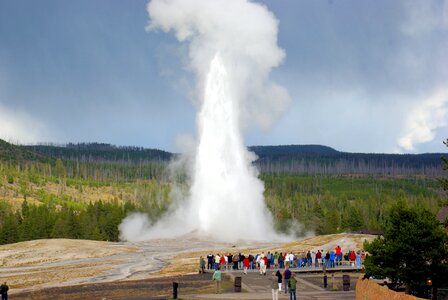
[232, 48]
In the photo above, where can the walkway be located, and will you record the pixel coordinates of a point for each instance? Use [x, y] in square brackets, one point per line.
[256, 286]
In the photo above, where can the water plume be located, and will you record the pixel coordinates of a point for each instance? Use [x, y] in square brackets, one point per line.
[232, 49]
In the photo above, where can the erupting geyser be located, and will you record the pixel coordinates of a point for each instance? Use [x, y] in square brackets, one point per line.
[225, 192]
[232, 47]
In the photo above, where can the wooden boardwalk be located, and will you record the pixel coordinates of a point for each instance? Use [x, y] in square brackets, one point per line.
[341, 268]
[256, 287]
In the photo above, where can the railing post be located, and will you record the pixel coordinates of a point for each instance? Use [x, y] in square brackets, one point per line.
[346, 282]
[175, 286]
[238, 284]
[324, 269]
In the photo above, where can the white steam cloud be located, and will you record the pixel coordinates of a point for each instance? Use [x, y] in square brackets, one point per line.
[424, 119]
[245, 34]
[18, 126]
[232, 49]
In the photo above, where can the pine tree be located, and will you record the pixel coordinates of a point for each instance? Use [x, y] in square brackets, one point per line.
[9, 231]
[60, 169]
[414, 248]
[319, 218]
[352, 219]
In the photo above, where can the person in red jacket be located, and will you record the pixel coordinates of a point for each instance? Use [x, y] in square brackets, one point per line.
[338, 251]
[352, 257]
[318, 258]
[246, 264]
[222, 262]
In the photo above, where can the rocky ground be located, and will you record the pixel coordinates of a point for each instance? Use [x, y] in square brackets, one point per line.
[81, 267]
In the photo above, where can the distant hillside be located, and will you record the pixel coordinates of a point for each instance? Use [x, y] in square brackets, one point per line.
[292, 150]
[101, 152]
[95, 161]
[316, 159]
[292, 159]
[18, 154]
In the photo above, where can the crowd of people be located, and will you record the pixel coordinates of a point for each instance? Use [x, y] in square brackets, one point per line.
[281, 278]
[273, 260]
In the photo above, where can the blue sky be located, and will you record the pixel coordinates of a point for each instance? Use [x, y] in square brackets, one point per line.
[363, 76]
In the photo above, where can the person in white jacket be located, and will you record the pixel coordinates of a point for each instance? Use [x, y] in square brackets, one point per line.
[291, 260]
[287, 260]
[262, 264]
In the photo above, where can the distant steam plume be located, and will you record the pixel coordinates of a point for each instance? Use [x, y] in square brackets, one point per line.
[425, 117]
[17, 126]
[232, 49]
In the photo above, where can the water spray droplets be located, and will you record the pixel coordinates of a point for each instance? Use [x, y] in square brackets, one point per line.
[226, 193]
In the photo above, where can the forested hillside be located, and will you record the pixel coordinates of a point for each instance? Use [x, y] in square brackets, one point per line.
[122, 163]
[100, 152]
[85, 190]
[315, 159]
[19, 154]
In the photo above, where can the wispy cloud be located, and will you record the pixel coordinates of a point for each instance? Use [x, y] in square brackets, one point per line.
[19, 127]
[425, 117]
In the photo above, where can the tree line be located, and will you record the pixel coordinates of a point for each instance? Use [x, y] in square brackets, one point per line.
[322, 160]
[101, 161]
[98, 221]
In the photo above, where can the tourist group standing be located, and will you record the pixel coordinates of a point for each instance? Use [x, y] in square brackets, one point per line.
[281, 281]
[272, 260]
